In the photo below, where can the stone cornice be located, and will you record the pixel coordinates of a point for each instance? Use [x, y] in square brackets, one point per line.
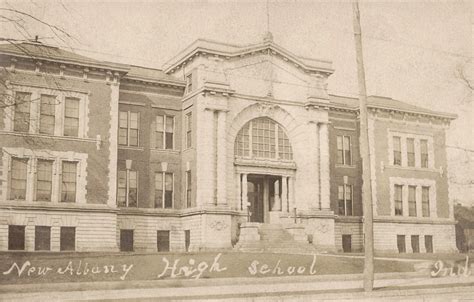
[101, 66]
[155, 82]
[374, 109]
[226, 51]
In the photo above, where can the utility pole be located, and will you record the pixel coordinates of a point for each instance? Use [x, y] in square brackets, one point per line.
[364, 150]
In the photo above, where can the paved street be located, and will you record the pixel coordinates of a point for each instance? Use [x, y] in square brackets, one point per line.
[299, 289]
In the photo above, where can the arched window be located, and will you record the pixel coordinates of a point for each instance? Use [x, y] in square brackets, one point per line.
[263, 138]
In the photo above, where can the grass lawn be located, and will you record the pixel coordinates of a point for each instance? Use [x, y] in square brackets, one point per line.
[85, 267]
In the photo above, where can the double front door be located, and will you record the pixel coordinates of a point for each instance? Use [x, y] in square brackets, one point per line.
[255, 198]
[263, 193]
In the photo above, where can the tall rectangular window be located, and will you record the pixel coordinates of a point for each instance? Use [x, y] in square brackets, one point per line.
[126, 240]
[424, 153]
[163, 190]
[401, 244]
[42, 238]
[133, 189]
[163, 241]
[164, 132]
[340, 200]
[411, 152]
[348, 195]
[344, 154]
[47, 109]
[18, 178]
[127, 188]
[44, 180]
[16, 237]
[69, 174]
[128, 128]
[415, 243]
[133, 131]
[398, 198]
[123, 128]
[71, 117]
[425, 201]
[189, 125]
[412, 201]
[189, 187]
[429, 243]
[21, 121]
[67, 239]
[345, 200]
[397, 151]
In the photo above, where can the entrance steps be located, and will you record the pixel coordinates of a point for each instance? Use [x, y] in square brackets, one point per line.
[275, 238]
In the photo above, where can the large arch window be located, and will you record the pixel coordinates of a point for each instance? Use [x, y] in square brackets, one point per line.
[263, 138]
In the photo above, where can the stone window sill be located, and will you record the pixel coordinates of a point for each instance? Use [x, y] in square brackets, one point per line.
[70, 138]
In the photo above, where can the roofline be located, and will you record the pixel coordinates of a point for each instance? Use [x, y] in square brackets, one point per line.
[96, 64]
[450, 116]
[152, 80]
[195, 47]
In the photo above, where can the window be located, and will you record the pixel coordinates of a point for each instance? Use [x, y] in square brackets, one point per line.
[429, 243]
[163, 241]
[424, 153]
[263, 138]
[398, 200]
[412, 201]
[397, 151]
[189, 125]
[163, 190]
[128, 128]
[344, 156]
[69, 173]
[345, 200]
[42, 238]
[346, 243]
[415, 243]
[401, 243]
[126, 240]
[411, 152]
[425, 201]
[187, 240]
[189, 83]
[18, 178]
[71, 117]
[21, 121]
[164, 132]
[44, 180]
[47, 116]
[67, 240]
[127, 194]
[188, 189]
[16, 237]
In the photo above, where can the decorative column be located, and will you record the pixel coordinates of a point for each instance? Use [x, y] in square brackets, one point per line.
[276, 190]
[284, 194]
[316, 185]
[239, 204]
[291, 193]
[245, 200]
[221, 158]
[324, 165]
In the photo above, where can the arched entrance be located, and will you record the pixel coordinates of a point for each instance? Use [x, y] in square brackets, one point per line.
[264, 161]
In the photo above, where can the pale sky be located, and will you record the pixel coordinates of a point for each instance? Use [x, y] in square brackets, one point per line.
[411, 49]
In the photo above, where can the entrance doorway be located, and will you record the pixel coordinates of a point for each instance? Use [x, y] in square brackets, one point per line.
[263, 193]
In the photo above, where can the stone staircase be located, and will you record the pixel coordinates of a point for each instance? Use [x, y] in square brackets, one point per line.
[275, 238]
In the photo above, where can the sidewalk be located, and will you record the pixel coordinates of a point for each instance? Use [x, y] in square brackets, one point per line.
[237, 289]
